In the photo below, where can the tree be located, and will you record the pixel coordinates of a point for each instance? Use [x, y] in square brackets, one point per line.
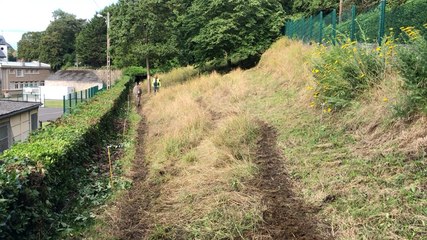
[142, 33]
[59, 39]
[91, 43]
[28, 46]
[219, 30]
[314, 6]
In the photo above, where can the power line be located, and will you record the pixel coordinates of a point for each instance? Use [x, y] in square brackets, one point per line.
[97, 6]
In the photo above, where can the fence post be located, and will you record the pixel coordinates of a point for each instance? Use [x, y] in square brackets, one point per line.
[69, 101]
[81, 96]
[63, 103]
[334, 26]
[320, 26]
[381, 28]
[311, 28]
[353, 23]
[75, 98]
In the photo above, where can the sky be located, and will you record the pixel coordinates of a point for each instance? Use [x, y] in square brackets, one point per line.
[20, 16]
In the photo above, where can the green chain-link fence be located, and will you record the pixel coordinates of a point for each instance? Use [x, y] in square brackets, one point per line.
[71, 100]
[362, 25]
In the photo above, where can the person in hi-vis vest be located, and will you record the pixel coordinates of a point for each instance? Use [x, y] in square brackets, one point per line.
[156, 84]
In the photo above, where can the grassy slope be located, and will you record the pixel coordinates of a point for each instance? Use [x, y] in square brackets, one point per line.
[365, 171]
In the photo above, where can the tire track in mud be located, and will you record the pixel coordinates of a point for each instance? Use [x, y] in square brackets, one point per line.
[286, 216]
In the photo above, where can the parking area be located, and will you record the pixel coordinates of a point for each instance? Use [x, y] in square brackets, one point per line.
[49, 114]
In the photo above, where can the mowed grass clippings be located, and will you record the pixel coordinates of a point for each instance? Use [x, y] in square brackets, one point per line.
[361, 167]
[203, 151]
[364, 167]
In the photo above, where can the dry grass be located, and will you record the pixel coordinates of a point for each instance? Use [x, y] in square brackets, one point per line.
[362, 167]
[201, 177]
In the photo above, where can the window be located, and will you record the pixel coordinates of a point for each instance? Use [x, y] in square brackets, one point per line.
[4, 137]
[34, 120]
[19, 73]
[16, 85]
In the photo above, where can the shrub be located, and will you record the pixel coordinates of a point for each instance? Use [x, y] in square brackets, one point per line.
[40, 179]
[412, 65]
[343, 72]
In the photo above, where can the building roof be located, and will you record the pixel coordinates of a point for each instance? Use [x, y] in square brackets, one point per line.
[33, 64]
[10, 108]
[2, 40]
[75, 75]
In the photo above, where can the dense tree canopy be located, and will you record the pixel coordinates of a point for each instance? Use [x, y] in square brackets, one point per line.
[91, 43]
[29, 45]
[168, 33]
[230, 30]
[57, 45]
[142, 30]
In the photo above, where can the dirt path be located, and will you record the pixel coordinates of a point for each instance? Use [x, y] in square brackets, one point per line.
[286, 216]
[133, 210]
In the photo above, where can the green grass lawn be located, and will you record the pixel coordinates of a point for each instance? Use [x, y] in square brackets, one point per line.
[53, 103]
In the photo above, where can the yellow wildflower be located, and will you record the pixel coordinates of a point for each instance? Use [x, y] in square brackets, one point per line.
[385, 99]
[329, 110]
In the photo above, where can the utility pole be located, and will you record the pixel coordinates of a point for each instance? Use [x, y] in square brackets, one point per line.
[107, 20]
[340, 12]
[108, 53]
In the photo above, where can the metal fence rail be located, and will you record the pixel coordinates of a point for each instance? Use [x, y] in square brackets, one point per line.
[71, 100]
[362, 25]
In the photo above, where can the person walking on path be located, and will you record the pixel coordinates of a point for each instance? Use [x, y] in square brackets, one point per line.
[156, 84]
[137, 91]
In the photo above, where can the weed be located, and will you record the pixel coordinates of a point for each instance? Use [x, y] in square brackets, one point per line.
[343, 72]
[412, 66]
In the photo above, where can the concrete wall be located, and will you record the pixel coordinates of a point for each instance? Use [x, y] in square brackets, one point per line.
[54, 92]
[8, 78]
[76, 85]
[20, 125]
[30, 75]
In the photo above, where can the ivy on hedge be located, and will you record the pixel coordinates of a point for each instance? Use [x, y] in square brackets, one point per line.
[39, 177]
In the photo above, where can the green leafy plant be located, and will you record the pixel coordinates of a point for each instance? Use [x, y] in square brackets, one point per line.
[46, 181]
[412, 65]
[343, 72]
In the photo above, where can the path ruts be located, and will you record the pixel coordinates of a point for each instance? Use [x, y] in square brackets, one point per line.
[286, 216]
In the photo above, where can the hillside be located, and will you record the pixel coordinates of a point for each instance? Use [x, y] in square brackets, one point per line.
[247, 156]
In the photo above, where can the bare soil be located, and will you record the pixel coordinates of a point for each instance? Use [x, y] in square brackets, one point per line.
[133, 208]
[286, 216]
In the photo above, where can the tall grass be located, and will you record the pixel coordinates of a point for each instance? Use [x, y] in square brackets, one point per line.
[202, 142]
[363, 169]
[412, 65]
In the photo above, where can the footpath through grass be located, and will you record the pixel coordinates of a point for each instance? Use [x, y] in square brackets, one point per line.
[363, 169]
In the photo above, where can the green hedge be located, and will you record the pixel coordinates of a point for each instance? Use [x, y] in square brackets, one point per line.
[39, 178]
